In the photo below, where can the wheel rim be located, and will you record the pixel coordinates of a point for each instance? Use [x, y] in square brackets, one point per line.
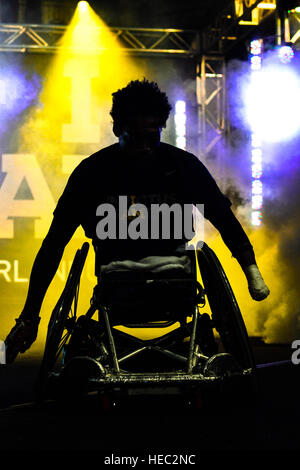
[226, 314]
[63, 318]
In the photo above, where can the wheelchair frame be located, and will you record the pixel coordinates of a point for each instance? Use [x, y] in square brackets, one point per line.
[196, 368]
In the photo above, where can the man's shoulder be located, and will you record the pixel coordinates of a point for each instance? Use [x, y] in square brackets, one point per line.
[99, 159]
[182, 156]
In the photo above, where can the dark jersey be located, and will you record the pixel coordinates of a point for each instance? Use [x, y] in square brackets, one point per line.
[170, 176]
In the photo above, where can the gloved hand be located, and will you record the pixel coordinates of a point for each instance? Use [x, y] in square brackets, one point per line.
[256, 285]
[21, 337]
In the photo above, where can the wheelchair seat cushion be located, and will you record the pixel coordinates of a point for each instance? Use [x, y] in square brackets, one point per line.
[150, 264]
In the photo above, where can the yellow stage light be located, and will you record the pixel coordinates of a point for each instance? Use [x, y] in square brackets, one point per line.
[267, 6]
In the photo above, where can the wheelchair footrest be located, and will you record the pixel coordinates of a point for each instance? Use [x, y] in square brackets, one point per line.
[159, 378]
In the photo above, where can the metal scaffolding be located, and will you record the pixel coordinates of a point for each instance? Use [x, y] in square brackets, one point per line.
[135, 41]
[210, 85]
[206, 48]
[234, 23]
[211, 101]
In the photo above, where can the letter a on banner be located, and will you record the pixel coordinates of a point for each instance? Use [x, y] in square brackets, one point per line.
[40, 206]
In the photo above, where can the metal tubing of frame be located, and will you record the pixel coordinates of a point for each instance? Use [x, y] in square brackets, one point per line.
[132, 354]
[111, 340]
[169, 353]
[91, 311]
[192, 342]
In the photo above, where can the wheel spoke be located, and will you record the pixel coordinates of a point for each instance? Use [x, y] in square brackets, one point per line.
[62, 344]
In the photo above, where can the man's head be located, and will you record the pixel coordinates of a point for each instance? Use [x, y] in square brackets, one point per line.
[139, 111]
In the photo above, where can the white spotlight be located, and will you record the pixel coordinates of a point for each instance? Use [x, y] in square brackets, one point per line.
[83, 6]
[272, 103]
[285, 54]
[180, 123]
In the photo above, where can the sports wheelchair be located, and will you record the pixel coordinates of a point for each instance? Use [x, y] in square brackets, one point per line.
[201, 352]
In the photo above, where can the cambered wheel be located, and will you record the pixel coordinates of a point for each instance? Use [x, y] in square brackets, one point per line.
[226, 314]
[62, 321]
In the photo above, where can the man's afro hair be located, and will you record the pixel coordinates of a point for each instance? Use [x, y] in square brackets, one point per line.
[140, 98]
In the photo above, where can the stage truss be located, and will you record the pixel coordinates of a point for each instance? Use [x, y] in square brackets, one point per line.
[149, 41]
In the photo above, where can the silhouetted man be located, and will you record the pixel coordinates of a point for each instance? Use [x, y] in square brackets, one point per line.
[147, 172]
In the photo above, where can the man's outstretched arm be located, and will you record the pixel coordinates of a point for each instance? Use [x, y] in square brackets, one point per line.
[238, 243]
[45, 265]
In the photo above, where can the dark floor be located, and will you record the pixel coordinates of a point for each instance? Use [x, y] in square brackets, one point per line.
[156, 424]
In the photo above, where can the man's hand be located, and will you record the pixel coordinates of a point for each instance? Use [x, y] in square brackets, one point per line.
[256, 285]
[21, 337]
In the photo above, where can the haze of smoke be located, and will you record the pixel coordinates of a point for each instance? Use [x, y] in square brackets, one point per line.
[283, 220]
[20, 91]
[276, 242]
